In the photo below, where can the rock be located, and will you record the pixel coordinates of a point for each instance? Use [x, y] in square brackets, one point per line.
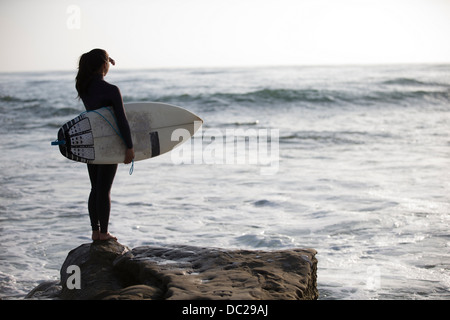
[45, 290]
[97, 277]
[111, 271]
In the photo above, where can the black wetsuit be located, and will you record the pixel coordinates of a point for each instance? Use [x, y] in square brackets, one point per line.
[102, 94]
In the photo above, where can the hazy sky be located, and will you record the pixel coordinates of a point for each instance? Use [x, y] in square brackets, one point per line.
[52, 34]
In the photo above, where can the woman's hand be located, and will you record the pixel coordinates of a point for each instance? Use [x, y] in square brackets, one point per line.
[129, 156]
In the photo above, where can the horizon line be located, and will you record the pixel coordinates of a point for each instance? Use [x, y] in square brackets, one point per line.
[356, 64]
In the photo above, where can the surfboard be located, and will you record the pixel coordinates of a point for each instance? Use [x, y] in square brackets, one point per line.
[156, 128]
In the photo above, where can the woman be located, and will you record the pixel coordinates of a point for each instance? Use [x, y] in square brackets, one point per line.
[96, 93]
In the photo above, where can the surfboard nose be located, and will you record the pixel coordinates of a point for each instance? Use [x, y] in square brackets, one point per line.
[198, 119]
[198, 122]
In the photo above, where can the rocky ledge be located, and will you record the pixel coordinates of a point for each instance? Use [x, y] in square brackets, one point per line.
[109, 270]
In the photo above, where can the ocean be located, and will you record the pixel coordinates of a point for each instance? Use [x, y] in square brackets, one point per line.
[352, 161]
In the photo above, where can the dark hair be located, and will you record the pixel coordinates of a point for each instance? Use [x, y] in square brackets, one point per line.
[90, 64]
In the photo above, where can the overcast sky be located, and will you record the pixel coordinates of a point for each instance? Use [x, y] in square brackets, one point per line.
[52, 34]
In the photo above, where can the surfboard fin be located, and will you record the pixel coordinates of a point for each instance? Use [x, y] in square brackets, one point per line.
[58, 142]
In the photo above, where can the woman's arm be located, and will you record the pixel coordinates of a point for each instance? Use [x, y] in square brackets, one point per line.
[122, 123]
[129, 156]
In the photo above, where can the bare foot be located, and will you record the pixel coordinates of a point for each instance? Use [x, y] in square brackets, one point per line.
[106, 236]
[96, 235]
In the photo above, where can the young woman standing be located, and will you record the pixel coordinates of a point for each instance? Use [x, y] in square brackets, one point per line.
[96, 93]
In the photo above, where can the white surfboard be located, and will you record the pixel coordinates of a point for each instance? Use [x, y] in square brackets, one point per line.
[93, 137]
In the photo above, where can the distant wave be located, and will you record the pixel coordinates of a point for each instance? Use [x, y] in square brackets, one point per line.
[311, 97]
[8, 98]
[333, 137]
[324, 137]
[266, 95]
[410, 82]
[264, 98]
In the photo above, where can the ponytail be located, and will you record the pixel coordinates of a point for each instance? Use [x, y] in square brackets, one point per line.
[89, 65]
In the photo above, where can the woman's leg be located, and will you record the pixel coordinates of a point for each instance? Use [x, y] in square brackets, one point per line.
[92, 202]
[102, 178]
[105, 179]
